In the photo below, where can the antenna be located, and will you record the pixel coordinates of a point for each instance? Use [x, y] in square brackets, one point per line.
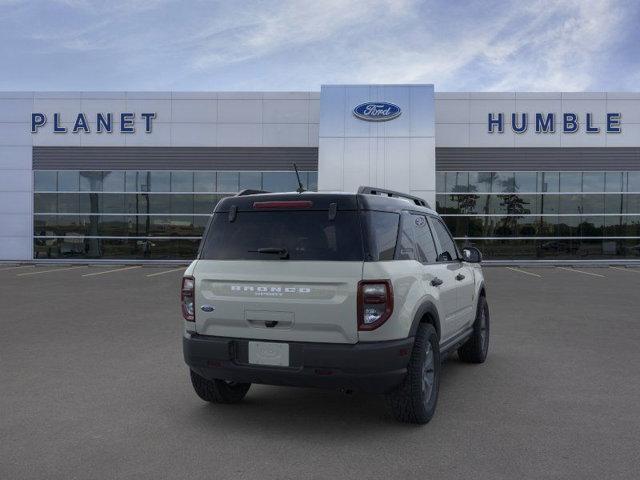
[300, 188]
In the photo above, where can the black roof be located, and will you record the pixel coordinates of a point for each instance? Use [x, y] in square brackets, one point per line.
[322, 200]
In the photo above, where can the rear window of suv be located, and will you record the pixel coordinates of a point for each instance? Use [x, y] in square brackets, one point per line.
[298, 235]
[301, 235]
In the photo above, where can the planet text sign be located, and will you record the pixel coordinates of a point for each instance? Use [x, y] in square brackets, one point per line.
[125, 122]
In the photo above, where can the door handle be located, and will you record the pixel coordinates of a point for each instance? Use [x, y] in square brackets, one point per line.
[460, 277]
[436, 282]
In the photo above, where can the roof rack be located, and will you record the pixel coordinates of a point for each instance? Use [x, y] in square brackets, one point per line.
[390, 193]
[249, 191]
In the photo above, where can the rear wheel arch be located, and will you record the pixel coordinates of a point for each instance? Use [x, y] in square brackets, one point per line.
[427, 313]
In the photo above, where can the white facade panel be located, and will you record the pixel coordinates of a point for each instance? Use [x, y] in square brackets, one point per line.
[102, 139]
[162, 109]
[16, 248]
[314, 111]
[285, 135]
[314, 130]
[377, 153]
[67, 108]
[531, 138]
[628, 137]
[15, 203]
[15, 158]
[15, 225]
[479, 109]
[15, 110]
[45, 136]
[160, 137]
[478, 137]
[330, 156]
[15, 134]
[239, 135]
[239, 111]
[193, 134]
[194, 111]
[598, 107]
[452, 134]
[631, 109]
[285, 111]
[452, 111]
[92, 106]
[15, 181]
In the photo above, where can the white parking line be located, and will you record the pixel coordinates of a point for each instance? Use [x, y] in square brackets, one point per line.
[634, 270]
[522, 271]
[111, 271]
[15, 268]
[581, 271]
[166, 271]
[49, 271]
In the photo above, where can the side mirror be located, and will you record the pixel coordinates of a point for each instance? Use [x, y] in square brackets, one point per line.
[471, 255]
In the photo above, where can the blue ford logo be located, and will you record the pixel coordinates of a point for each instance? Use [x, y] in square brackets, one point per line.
[377, 111]
[207, 308]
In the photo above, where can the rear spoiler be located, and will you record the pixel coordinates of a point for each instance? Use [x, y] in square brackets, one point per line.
[390, 193]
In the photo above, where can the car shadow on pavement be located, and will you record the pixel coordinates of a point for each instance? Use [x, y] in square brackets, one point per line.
[318, 411]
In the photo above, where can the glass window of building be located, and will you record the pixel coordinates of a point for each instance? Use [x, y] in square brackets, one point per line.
[526, 182]
[68, 181]
[159, 181]
[182, 181]
[113, 181]
[504, 182]
[279, 181]
[571, 181]
[613, 182]
[204, 181]
[45, 181]
[593, 182]
[251, 180]
[549, 182]
[228, 182]
[91, 181]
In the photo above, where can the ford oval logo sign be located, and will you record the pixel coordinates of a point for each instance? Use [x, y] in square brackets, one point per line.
[377, 111]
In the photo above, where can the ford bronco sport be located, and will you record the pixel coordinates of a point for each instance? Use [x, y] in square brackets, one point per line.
[364, 291]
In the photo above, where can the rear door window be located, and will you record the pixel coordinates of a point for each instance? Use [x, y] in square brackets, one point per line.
[279, 235]
[447, 251]
[426, 248]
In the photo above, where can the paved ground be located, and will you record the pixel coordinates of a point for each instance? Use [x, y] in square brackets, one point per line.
[92, 385]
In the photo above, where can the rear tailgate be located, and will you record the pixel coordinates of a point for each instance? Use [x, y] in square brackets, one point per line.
[307, 301]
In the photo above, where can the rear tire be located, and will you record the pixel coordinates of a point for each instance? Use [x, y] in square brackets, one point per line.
[218, 391]
[414, 401]
[476, 347]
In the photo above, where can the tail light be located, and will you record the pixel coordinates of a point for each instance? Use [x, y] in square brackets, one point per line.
[375, 303]
[187, 298]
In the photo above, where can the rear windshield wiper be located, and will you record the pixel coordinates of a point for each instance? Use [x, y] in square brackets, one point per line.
[284, 254]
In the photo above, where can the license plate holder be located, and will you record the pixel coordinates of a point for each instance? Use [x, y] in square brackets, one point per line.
[275, 354]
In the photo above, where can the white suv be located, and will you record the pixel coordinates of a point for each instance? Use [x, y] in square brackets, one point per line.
[363, 291]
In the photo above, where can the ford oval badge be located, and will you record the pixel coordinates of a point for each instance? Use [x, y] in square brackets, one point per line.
[377, 111]
[207, 308]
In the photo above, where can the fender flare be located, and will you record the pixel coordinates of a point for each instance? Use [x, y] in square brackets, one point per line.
[428, 307]
[482, 289]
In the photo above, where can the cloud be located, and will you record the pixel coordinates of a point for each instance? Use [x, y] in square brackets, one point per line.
[299, 44]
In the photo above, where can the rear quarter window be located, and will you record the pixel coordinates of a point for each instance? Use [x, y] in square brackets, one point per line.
[381, 232]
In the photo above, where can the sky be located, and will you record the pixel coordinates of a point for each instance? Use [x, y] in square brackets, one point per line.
[283, 45]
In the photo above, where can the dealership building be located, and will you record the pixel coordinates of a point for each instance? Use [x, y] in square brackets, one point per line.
[136, 175]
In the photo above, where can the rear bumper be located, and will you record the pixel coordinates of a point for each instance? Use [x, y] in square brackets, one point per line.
[375, 367]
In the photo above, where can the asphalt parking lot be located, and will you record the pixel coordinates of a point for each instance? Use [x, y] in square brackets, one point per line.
[93, 385]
